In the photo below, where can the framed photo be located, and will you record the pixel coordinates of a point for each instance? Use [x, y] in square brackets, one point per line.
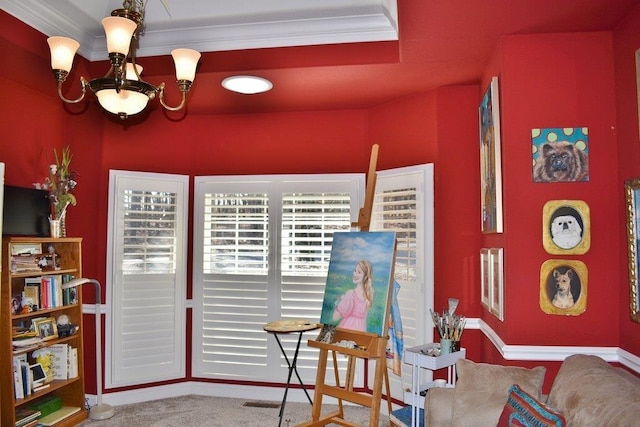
[632, 198]
[496, 263]
[563, 287]
[46, 328]
[485, 278]
[490, 163]
[566, 227]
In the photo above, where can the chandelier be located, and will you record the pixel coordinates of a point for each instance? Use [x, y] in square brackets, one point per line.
[122, 91]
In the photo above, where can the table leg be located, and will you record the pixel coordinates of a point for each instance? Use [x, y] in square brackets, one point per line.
[292, 368]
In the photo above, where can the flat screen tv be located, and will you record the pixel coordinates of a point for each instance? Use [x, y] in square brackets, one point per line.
[25, 212]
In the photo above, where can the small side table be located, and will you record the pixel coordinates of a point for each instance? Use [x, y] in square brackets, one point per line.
[288, 327]
[418, 357]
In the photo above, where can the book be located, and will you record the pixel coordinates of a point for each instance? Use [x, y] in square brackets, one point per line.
[59, 415]
[60, 362]
[17, 378]
[73, 362]
[31, 291]
[26, 416]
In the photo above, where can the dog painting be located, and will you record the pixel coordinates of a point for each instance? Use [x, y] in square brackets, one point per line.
[560, 155]
[563, 287]
[566, 231]
[563, 297]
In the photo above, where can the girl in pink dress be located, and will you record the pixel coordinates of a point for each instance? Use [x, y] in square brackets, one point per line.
[354, 305]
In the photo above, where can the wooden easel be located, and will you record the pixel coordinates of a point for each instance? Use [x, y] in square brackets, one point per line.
[368, 346]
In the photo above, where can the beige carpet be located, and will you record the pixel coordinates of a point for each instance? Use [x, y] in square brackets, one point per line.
[192, 410]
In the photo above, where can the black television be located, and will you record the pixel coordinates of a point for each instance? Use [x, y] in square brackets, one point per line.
[25, 212]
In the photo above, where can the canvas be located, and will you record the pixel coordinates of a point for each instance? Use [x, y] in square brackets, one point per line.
[358, 258]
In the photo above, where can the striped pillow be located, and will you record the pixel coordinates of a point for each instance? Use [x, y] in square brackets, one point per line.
[522, 410]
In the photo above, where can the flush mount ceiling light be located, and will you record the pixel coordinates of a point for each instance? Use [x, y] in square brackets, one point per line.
[248, 85]
[122, 91]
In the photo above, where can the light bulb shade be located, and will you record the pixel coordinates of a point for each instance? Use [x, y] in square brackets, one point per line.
[131, 74]
[119, 32]
[186, 61]
[63, 50]
[125, 102]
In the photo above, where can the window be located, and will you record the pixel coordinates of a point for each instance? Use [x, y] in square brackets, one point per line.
[403, 203]
[261, 252]
[146, 264]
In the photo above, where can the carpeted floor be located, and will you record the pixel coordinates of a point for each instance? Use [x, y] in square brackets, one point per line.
[192, 410]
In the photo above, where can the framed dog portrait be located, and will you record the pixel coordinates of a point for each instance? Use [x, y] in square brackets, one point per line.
[560, 154]
[490, 163]
[485, 278]
[566, 227]
[496, 265]
[632, 198]
[563, 287]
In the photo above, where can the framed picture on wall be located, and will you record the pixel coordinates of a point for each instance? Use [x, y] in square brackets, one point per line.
[485, 278]
[566, 227]
[563, 287]
[632, 198]
[496, 262]
[490, 163]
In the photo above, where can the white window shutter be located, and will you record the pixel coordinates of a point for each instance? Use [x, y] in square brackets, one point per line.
[146, 261]
[404, 203]
[261, 254]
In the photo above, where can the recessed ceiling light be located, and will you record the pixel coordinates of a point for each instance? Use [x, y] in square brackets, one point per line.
[248, 85]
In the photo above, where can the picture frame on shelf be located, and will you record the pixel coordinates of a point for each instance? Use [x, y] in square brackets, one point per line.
[46, 328]
[566, 227]
[632, 200]
[496, 263]
[485, 278]
[563, 287]
[490, 160]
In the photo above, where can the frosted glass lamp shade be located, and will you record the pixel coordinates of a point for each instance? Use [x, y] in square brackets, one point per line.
[119, 32]
[126, 102]
[131, 74]
[63, 50]
[186, 61]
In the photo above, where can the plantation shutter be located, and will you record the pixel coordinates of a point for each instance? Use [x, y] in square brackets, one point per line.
[403, 203]
[146, 269]
[261, 253]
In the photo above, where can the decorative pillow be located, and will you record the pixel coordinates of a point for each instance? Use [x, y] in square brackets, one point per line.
[522, 410]
[482, 390]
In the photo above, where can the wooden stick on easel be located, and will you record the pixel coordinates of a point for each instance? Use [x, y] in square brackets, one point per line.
[364, 215]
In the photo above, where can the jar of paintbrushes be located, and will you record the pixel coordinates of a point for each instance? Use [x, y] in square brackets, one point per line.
[450, 327]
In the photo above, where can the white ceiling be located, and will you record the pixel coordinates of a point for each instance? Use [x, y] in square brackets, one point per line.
[215, 25]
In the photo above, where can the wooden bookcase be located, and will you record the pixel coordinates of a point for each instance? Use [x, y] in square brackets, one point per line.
[71, 391]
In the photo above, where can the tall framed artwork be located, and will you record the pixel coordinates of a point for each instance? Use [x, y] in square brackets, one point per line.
[490, 160]
[632, 197]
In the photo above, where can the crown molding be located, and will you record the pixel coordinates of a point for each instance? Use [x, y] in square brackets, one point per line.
[376, 22]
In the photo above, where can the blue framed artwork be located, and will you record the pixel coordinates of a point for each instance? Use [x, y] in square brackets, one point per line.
[560, 154]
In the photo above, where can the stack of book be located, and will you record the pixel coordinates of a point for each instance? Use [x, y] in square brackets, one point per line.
[25, 263]
[27, 417]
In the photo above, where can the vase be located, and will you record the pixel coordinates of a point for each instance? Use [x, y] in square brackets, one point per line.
[55, 229]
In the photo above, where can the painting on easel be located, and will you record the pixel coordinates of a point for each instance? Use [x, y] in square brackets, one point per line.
[359, 281]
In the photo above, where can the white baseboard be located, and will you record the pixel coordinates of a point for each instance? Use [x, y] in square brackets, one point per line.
[554, 352]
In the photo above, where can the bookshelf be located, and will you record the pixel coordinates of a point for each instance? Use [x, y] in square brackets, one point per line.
[62, 262]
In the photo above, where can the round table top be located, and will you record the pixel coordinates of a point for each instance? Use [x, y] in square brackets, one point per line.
[293, 325]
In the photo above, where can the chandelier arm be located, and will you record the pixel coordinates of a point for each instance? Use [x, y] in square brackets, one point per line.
[83, 85]
[184, 86]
